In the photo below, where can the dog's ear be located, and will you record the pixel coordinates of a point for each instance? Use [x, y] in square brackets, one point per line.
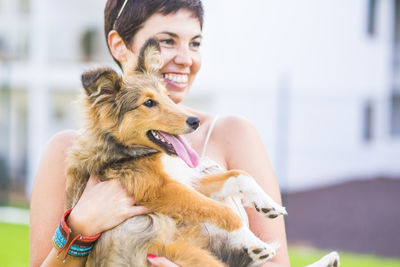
[150, 60]
[100, 82]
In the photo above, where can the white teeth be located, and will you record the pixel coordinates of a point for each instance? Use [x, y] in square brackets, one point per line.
[155, 134]
[177, 78]
[162, 139]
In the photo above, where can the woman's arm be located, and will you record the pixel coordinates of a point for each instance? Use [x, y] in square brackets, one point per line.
[47, 203]
[244, 150]
[101, 207]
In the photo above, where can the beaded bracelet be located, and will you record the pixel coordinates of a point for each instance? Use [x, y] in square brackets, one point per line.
[80, 246]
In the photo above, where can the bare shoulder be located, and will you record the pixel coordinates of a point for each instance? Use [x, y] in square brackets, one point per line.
[243, 149]
[237, 127]
[54, 154]
[236, 134]
[62, 140]
[52, 163]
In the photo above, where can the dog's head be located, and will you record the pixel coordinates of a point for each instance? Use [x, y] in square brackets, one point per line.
[136, 110]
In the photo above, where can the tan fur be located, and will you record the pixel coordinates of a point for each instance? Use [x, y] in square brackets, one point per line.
[169, 197]
[214, 183]
[115, 131]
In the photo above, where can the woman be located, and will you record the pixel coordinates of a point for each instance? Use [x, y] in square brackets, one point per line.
[231, 142]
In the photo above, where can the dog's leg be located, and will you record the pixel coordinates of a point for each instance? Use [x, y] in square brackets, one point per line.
[185, 254]
[176, 200]
[179, 201]
[198, 208]
[237, 183]
[239, 243]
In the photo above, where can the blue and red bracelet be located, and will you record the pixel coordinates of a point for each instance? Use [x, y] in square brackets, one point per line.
[79, 246]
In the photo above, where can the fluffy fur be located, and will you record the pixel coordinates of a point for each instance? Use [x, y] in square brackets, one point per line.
[116, 143]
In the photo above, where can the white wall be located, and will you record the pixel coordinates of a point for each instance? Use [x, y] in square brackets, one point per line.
[320, 52]
[301, 71]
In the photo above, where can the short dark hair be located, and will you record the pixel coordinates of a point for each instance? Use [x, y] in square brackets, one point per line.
[136, 12]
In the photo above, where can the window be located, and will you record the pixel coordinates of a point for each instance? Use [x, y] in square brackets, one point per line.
[397, 22]
[24, 6]
[88, 44]
[395, 96]
[368, 121]
[395, 114]
[371, 17]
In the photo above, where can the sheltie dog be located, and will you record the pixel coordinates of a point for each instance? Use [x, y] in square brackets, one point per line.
[132, 133]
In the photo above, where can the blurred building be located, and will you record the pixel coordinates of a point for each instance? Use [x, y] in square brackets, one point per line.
[44, 47]
[319, 79]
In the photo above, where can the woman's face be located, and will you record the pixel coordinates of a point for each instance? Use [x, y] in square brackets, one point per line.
[179, 35]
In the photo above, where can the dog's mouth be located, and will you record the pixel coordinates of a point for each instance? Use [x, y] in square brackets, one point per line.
[174, 145]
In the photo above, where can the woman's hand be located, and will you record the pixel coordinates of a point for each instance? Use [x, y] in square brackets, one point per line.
[160, 261]
[102, 206]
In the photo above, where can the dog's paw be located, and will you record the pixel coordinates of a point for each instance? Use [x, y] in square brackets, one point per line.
[253, 195]
[269, 209]
[256, 249]
[259, 255]
[334, 260]
[330, 260]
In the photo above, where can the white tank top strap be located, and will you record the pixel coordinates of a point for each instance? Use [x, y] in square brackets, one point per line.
[203, 153]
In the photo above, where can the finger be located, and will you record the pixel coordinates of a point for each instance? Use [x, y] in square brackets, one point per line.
[138, 210]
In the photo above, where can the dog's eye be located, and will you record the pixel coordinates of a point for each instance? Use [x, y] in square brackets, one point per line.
[150, 103]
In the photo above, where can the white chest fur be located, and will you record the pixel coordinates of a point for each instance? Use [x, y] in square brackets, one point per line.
[177, 169]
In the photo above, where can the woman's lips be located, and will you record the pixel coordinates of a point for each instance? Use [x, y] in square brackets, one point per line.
[178, 80]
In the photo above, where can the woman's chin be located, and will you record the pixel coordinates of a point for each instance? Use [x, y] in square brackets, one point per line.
[177, 97]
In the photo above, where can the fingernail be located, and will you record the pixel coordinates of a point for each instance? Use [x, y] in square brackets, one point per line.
[151, 256]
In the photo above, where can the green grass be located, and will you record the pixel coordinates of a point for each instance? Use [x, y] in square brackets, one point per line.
[14, 245]
[301, 256]
[14, 252]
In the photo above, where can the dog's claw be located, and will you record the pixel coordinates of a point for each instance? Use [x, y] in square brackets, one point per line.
[259, 255]
[270, 212]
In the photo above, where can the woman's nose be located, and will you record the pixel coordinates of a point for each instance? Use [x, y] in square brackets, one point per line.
[183, 57]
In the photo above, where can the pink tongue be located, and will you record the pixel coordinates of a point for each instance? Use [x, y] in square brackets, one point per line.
[182, 148]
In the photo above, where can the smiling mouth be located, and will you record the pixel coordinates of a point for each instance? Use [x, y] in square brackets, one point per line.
[175, 78]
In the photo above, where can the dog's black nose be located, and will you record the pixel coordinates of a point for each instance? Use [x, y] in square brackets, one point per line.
[193, 122]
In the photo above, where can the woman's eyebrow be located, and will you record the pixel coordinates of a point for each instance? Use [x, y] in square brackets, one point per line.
[197, 36]
[170, 34]
[176, 36]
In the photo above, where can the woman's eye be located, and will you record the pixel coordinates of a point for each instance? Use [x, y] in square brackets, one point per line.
[167, 41]
[150, 103]
[195, 44]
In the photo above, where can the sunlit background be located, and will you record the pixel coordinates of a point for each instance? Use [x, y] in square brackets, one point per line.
[320, 79]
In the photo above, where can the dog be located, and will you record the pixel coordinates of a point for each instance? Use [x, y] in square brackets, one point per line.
[132, 133]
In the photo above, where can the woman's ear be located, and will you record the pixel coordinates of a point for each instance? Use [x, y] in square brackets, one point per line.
[117, 47]
[121, 52]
